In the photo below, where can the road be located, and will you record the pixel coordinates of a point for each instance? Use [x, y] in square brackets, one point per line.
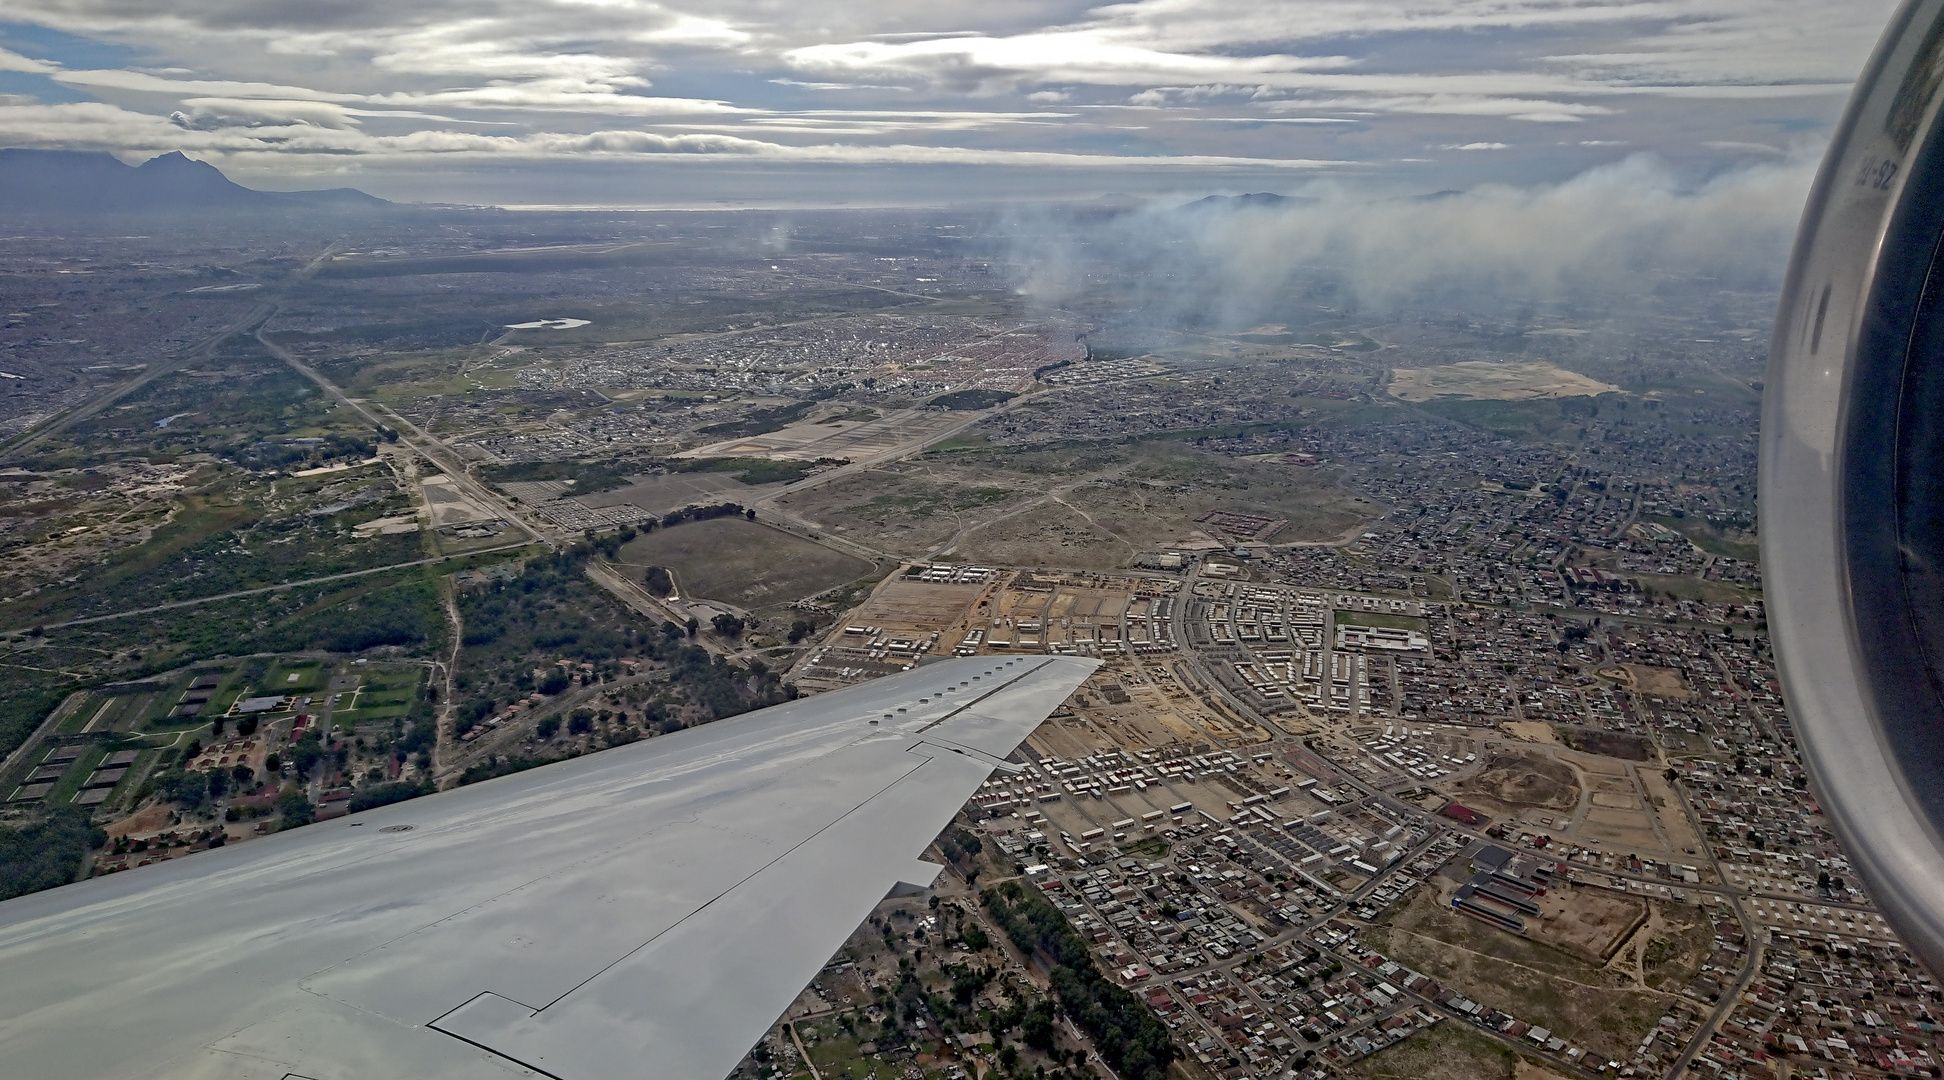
[899, 452]
[417, 441]
[199, 350]
[285, 587]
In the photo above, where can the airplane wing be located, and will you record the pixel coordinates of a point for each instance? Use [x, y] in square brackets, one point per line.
[646, 911]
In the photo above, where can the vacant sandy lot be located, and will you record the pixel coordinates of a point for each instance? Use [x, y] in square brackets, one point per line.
[1482, 380]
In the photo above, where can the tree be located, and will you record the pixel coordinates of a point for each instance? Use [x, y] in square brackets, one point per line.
[386, 794]
[295, 809]
[728, 625]
[548, 728]
[188, 788]
[658, 581]
[44, 849]
[693, 626]
[305, 753]
[750, 513]
[580, 723]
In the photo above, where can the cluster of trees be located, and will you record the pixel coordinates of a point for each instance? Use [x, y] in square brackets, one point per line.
[705, 513]
[283, 453]
[1133, 1042]
[193, 788]
[500, 765]
[417, 731]
[963, 849]
[386, 794]
[551, 606]
[588, 476]
[760, 421]
[295, 810]
[753, 471]
[45, 850]
[969, 400]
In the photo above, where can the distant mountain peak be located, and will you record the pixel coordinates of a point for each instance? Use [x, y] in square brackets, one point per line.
[85, 182]
[1252, 199]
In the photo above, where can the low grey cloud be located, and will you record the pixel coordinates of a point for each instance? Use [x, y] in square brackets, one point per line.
[1204, 87]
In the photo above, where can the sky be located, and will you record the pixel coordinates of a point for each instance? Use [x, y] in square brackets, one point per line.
[847, 102]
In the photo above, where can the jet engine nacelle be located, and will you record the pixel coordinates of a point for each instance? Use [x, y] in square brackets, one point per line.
[1852, 480]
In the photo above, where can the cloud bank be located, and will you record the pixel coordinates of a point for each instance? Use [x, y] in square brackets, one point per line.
[1372, 87]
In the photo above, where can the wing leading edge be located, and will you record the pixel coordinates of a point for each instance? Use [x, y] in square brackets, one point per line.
[645, 911]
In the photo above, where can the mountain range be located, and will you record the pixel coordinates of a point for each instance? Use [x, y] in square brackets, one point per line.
[84, 181]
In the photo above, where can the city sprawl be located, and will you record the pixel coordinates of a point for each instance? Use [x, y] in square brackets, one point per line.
[1437, 731]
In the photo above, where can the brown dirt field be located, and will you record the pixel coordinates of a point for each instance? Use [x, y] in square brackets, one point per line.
[1449, 1051]
[1530, 731]
[745, 563]
[902, 604]
[1517, 778]
[1526, 1070]
[1678, 946]
[1594, 765]
[1537, 982]
[1625, 828]
[1063, 738]
[907, 509]
[1659, 681]
[1587, 922]
[1053, 534]
[1674, 820]
[152, 820]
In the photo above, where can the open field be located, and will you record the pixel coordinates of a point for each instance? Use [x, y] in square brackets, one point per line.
[1604, 1011]
[1091, 507]
[1449, 1051]
[661, 494]
[852, 440]
[1519, 778]
[1586, 922]
[1481, 380]
[744, 563]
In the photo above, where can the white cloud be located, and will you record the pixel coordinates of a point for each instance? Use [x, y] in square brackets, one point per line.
[101, 126]
[1305, 82]
[13, 61]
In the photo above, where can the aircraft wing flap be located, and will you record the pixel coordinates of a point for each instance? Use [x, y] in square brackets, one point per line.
[660, 1010]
